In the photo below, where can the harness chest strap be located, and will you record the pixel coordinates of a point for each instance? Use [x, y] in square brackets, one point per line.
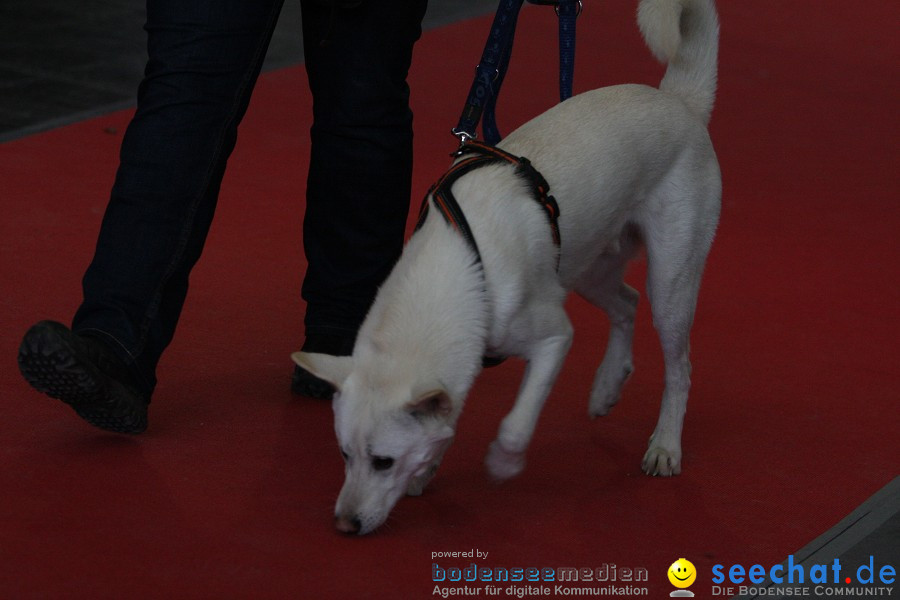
[484, 155]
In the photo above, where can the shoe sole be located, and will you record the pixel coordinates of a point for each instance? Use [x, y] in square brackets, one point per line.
[49, 363]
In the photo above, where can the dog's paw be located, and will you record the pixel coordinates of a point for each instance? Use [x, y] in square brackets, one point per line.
[661, 462]
[600, 405]
[503, 464]
[417, 484]
[607, 389]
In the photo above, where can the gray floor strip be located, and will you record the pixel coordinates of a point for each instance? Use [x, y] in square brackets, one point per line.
[63, 62]
[867, 537]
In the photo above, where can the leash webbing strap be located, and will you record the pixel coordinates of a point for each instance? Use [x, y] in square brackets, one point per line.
[568, 11]
[482, 99]
[489, 120]
[494, 59]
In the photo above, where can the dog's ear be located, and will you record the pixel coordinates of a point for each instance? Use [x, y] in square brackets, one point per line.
[333, 369]
[435, 403]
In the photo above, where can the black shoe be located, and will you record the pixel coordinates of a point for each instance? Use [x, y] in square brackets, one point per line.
[304, 383]
[84, 373]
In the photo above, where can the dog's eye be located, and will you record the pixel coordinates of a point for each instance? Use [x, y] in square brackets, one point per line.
[345, 455]
[382, 463]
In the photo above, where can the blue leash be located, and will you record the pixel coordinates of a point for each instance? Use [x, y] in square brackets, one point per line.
[482, 100]
[568, 13]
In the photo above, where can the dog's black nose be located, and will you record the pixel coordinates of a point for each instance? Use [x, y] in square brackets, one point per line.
[348, 525]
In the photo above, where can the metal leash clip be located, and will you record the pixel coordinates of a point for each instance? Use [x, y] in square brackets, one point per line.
[463, 136]
[577, 11]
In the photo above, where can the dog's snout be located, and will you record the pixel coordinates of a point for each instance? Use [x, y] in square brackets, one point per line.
[348, 525]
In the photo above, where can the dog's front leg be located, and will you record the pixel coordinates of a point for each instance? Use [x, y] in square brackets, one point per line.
[506, 456]
[418, 482]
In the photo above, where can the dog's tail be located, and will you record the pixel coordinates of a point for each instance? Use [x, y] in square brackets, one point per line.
[684, 34]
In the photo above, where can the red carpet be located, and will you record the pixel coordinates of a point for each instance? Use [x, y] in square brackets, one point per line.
[793, 417]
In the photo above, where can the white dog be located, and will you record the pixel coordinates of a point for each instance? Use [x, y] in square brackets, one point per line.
[630, 166]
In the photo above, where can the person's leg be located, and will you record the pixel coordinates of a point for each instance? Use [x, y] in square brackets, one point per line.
[204, 58]
[358, 188]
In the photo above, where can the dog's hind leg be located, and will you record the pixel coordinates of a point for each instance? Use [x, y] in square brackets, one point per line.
[604, 288]
[676, 252]
[545, 356]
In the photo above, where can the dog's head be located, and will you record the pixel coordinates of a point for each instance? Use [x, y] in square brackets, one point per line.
[392, 434]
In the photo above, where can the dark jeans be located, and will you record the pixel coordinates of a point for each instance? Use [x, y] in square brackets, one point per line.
[204, 59]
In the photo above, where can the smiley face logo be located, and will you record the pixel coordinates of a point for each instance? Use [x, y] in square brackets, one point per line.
[682, 573]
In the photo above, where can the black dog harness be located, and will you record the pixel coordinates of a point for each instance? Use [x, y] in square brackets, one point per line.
[483, 155]
[445, 203]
